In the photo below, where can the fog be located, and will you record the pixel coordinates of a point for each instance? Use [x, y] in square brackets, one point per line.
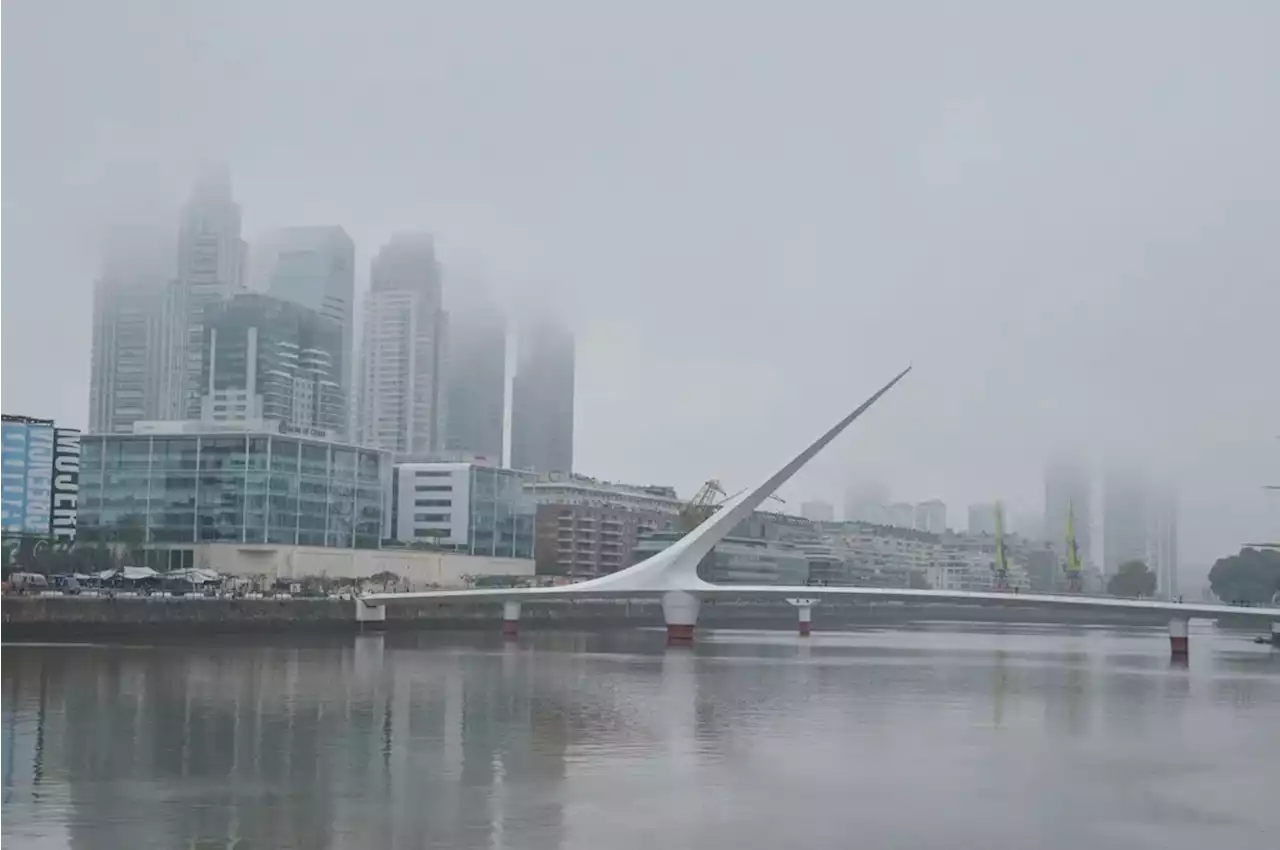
[1064, 215]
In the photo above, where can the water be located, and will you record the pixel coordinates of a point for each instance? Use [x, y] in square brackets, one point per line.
[947, 736]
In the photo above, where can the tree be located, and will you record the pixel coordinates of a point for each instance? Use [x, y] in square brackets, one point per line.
[1253, 576]
[385, 578]
[1132, 579]
[131, 533]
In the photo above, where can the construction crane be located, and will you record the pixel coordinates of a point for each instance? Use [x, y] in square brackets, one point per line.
[1001, 565]
[1075, 579]
[702, 505]
[705, 502]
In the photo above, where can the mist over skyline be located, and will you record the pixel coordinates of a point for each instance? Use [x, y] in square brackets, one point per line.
[751, 216]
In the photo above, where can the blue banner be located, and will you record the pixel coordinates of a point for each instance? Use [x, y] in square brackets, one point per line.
[26, 477]
[39, 479]
[13, 476]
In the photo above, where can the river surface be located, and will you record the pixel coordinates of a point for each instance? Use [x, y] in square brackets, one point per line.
[945, 735]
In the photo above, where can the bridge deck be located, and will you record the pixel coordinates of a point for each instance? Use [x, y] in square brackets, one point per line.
[886, 594]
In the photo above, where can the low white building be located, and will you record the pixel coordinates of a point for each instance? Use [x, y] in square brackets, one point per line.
[470, 507]
[880, 554]
[416, 570]
[963, 564]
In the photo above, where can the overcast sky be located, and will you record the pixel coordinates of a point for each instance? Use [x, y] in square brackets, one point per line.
[1067, 215]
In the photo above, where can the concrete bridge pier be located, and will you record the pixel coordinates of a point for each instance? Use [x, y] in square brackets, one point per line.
[1275, 635]
[680, 610]
[510, 619]
[370, 616]
[804, 609]
[1179, 638]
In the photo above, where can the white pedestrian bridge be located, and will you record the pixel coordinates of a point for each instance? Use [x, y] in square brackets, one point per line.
[671, 575]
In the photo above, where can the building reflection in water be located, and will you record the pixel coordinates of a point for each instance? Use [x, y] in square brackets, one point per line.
[318, 746]
[451, 740]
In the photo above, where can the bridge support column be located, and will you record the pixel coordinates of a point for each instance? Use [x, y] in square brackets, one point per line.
[804, 608]
[510, 618]
[370, 616]
[680, 610]
[1275, 634]
[1179, 639]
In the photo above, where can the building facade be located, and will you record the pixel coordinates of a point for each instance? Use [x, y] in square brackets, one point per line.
[864, 501]
[818, 511]
[271, 360]
[211, 266]
[172, 490]
[982, 518]
[403, 353]
[542, 398]
[466, 507]
[39, 496]
[315, 268]
[900, 515]
[476, 382]
[968, 566]
[738, 560]
[865, 554]
[136, 361]
[586, 528]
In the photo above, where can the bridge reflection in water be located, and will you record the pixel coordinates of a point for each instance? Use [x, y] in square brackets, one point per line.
[1015, 736]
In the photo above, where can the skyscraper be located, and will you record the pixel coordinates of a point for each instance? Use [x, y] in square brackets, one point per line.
[403, 351]
[1067, 489]
[1125, 519]
[136, 363]
[476, 382]
[270, 359]
[931, 516]
[818, 511]
[315, 268]
[1163, 549]
[1140, 523]
[982, 518]
[542, 398]
[211, 266]
[865, 500]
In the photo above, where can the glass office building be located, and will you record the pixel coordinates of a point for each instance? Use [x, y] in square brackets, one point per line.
[231, 488]
[270, 359]
[738, 560]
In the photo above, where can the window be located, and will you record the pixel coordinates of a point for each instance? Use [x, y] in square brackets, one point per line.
[433, 488]
[430, 517]
[433, 503]
[431, 473]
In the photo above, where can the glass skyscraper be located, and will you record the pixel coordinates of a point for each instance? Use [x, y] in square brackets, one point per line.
[476, 378]
[403, 350]
[315, 267]
[270, 359]
[542, 398]
[240, 488]
[211, 267]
